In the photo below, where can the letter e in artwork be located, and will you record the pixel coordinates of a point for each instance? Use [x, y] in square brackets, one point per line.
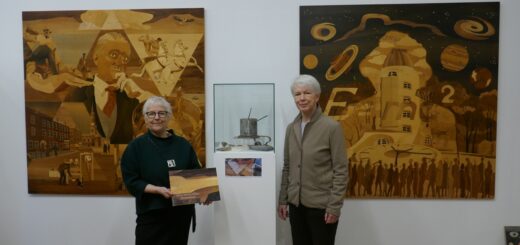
[331, 103]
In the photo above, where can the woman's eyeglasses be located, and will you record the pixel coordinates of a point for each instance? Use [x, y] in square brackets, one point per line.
[152, 114]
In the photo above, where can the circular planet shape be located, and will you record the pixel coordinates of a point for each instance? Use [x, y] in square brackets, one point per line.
[310, 61]
[481, 78]
[454, 57]
[323, 31]
[342, 62]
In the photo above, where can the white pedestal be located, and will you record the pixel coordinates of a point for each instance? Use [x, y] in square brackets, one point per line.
[246, 214]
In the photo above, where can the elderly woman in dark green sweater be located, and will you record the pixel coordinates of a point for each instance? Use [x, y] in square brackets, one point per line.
[145, 165]
[314, 175]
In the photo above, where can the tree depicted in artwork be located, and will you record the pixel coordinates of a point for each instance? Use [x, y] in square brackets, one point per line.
[469, 124]
[464, 106]
[360, 119]
[488, 105]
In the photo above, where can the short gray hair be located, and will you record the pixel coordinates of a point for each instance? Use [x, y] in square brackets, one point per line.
[306, 80]
[157, 100]
[109, 37]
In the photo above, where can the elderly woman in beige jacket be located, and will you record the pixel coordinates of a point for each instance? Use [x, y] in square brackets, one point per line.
[314, 175]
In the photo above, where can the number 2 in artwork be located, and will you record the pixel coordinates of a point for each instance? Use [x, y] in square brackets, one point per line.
[447, 98]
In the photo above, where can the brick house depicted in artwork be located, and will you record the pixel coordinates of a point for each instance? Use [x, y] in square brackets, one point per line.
[45, 137]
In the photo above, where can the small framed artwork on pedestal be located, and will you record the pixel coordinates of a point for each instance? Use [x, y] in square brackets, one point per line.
[244, 117]
[512, 235]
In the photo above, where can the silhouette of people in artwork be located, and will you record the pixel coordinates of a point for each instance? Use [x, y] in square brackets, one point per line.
[432, 178]
[64, 169]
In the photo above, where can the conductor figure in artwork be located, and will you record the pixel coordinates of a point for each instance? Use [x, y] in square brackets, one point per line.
[110, 106]
[111, 97]
[314, 175]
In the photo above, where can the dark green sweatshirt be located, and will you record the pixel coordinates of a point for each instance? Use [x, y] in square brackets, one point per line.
[145, 161]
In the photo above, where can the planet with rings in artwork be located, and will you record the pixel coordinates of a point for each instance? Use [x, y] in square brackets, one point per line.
[342, 63]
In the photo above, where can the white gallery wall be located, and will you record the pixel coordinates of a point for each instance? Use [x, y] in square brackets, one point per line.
[249, 41]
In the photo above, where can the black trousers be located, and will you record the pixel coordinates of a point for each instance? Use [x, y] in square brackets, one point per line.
[167, 226]
[308, 226]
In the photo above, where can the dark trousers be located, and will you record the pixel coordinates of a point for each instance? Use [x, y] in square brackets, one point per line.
[308, 226]
[168, 226]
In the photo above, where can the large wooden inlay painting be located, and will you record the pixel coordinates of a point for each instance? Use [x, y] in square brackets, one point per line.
[415, 89]
[87, 74]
